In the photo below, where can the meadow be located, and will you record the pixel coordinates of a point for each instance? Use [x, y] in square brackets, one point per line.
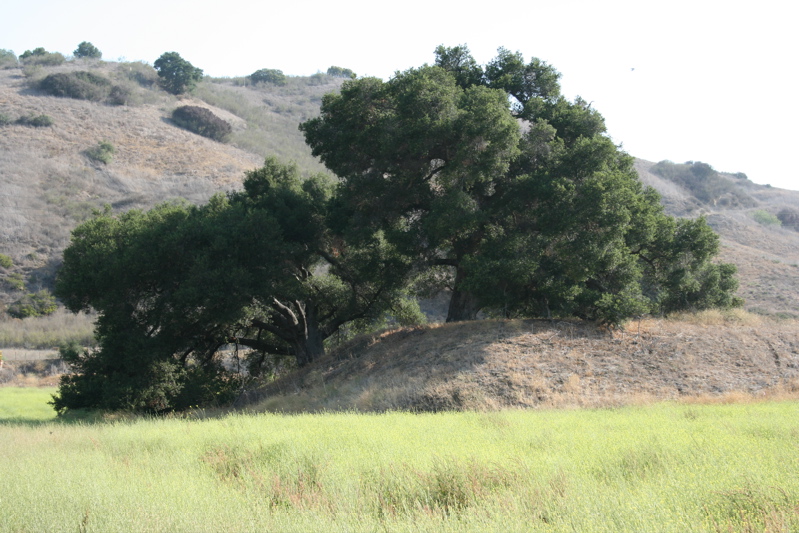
[663, 467]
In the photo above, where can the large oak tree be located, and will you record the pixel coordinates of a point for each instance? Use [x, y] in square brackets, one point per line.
[517, 193]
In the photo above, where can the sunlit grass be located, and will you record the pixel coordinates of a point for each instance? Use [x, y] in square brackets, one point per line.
[667, 467]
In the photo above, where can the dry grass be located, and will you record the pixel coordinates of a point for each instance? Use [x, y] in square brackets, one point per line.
[490, 365]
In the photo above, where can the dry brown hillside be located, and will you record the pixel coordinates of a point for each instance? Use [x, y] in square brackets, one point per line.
[767, 255]
[496, 364]
[48, 183]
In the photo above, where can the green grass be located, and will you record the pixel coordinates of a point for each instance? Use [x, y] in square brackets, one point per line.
[667, 467]
[26, 404]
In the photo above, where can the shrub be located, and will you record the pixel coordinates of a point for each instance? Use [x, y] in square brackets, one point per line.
[8, 59]
[42, 57]
[177, 75]
[37, 121]
[102, 153]
[339, 72]
[762, 216]
[5, 261]
[268, 75]
[87, 49]
[15, 281]
[5, 120]
[203, 122]
[33, 304]
[80, 85]
[789, 218]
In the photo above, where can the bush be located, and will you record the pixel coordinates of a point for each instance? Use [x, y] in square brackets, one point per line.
[42, 57]
[5, 261]
[37, 121]
[87, 49]
[80, 85]
[5, 120]
[339, 72]
[762, 216]
[789, 218]
[203, 122]
[8, 59]
[33, 304]
[268, 75]
[102, 153]
[15, 281]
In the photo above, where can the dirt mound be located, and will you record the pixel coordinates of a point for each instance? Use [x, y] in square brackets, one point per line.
[532, 363]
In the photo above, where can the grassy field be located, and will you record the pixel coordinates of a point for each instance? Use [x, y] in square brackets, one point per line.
[667, 467]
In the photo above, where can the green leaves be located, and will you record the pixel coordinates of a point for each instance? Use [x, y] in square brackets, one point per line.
[552, 221]
[176, 74]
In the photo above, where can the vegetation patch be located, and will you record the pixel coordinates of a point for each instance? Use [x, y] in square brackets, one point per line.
[33, 304]
[203, 122]
[36, 121]
[42, 58]
[704, 182]
[765, 218]
[669, 468]
[102, 153]
[84, 85]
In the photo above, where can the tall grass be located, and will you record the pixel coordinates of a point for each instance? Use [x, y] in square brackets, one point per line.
[666, 468]
[47, 332]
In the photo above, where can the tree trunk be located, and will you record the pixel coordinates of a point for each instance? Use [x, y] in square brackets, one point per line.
[463, 305]
[310, 344]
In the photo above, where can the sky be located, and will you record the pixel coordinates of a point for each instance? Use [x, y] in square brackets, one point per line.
[696, 80]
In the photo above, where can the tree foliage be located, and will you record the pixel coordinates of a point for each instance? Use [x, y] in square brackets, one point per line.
[177, 75]
[40, 56]
[268, 75]
[258, 268]
[515, 192]
[340, 72]
[87, 49]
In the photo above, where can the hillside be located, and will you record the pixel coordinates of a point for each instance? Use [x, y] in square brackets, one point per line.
[496, 364]
[49, 183]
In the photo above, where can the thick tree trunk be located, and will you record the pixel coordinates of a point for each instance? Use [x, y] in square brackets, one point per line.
[310, 344]
[463, 305]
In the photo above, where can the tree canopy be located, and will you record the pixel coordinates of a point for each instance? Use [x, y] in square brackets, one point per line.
[268, 75]
[258, 268]
[87, 49]
[177, 75]
[513, 192]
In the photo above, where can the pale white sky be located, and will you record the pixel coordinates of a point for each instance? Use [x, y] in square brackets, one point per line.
[713, 81]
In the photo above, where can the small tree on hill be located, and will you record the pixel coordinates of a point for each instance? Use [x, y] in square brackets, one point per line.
[268, 75]
[87, 49]
[176, 74]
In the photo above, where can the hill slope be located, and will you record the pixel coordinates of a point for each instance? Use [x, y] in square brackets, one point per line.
[48, 184]
[534, 363]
